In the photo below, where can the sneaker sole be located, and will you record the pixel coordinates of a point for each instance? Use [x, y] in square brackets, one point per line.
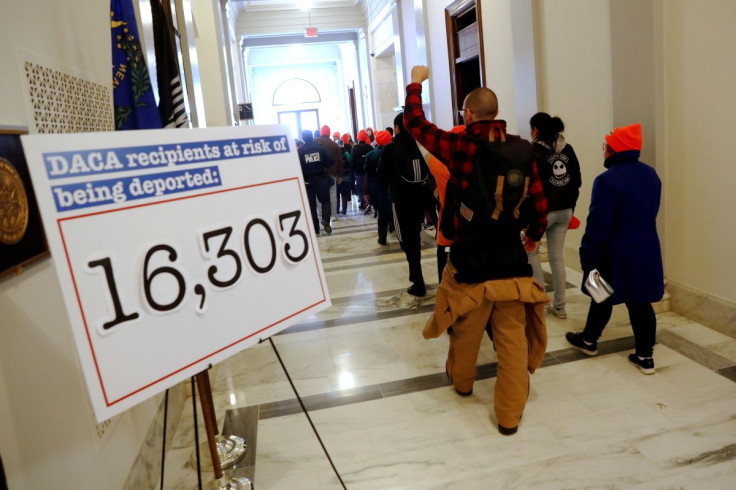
[590, 353]
[647, 371]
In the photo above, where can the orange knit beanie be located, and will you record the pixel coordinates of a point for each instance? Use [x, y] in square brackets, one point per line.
[625, 138]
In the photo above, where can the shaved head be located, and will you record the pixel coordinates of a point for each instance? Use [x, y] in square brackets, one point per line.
[482, 102]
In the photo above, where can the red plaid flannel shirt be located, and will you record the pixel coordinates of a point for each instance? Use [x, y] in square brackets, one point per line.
[457, 151]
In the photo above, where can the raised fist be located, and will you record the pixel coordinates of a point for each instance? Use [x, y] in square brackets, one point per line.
[419, 74]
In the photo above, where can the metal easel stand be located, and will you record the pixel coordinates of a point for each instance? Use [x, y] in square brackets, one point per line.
[225, 451]
[230, 449]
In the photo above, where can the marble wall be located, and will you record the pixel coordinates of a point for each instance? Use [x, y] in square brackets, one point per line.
[146, 470]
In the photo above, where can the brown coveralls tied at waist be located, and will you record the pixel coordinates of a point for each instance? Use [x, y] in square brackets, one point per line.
[515, 309]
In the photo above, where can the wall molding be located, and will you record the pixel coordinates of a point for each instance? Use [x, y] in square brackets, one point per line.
[704, 308]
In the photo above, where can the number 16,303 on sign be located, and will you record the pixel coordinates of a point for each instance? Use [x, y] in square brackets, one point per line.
[227, 251]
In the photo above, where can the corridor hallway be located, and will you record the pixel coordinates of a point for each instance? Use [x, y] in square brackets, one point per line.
[381, 405]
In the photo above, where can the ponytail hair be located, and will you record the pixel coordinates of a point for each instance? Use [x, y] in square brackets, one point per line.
[549, 127]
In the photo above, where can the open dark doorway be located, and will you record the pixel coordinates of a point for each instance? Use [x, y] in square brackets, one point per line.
[353, 110]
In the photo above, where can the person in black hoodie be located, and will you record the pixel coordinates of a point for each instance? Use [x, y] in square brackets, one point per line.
[357, 162]
[559, 171]
[404, 168]
[315, 161]
[376, 189]
[345, 187]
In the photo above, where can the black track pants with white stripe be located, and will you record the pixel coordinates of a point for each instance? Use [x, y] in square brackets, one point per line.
[408, 218]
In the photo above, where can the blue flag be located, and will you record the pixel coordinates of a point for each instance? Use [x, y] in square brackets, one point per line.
[135, 105]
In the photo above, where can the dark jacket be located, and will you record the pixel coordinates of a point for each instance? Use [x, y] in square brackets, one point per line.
[620, 237]
[357, 158]
[559, 170]
[374, 185]
[314, 160]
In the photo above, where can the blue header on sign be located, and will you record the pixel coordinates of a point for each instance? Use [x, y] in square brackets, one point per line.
[62, 165]
[113, 191]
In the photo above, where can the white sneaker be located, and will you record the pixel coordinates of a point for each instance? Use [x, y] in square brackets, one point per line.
[558, 312]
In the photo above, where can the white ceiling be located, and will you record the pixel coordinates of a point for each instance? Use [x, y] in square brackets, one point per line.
[293, 4]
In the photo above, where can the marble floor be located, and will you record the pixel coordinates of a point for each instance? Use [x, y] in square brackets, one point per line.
[355, 398]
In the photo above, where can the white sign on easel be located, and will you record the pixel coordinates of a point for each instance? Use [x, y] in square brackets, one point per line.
[175, 249]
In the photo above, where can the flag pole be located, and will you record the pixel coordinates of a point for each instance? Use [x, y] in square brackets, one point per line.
[166, 4]
[171, 92]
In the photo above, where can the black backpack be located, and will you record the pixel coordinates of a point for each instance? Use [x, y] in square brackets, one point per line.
[413, 169]
[495, 208]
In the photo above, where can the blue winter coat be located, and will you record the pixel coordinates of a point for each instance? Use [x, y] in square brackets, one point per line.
[620, 237]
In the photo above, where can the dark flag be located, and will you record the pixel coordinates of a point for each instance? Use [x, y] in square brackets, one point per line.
[135, 105]
[170, 94]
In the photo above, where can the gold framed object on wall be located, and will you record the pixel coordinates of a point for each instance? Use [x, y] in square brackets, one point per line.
[22, 239]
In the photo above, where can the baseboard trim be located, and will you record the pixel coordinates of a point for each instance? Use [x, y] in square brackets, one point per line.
[702, 307]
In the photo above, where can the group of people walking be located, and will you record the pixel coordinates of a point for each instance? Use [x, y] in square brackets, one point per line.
[494, 196]
[333, 167]
[387, 173]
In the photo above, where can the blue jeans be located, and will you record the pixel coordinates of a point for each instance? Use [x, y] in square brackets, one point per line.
[557, 223]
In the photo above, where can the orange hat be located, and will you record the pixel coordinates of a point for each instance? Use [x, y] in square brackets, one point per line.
[625, 138]
[458, 129]
[363, 136]
[336, 135]
[345, 138]
[383, 138]
[324, 130]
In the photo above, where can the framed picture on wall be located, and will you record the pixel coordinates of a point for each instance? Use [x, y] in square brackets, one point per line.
[22, 240]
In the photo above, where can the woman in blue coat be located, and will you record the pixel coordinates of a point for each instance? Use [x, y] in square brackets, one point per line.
[621, 241]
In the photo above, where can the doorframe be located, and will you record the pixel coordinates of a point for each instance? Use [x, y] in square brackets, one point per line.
[451, 11]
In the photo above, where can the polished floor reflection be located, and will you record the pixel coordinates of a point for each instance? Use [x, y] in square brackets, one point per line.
[381, 413]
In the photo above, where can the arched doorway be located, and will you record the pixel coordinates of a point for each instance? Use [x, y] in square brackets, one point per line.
[297, 92]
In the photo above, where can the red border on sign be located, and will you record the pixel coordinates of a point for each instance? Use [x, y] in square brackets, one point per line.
[84, 318]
